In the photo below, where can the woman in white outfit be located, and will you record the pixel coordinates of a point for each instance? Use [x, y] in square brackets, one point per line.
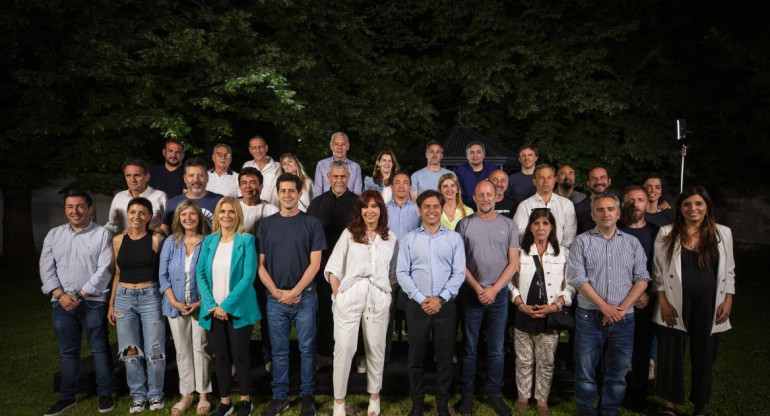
[361, 271]
[536, 297]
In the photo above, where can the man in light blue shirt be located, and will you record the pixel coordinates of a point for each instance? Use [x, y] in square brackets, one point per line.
[427, 177]
[430, 270]
[403, 215]
[75, 272]
[608, 269]
[340, 146]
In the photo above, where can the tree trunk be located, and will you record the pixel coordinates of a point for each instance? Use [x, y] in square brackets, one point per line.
[19, 254]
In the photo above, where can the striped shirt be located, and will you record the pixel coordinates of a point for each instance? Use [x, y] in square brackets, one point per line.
[611, 266]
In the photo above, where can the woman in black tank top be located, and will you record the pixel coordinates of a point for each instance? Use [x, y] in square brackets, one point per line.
[135, 308]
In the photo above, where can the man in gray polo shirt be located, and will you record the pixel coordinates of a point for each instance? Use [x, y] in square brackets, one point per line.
[491, 258]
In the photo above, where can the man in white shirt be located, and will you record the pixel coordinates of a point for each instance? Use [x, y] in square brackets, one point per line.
[136, 174]
[254, 209]
[222, 179]
[563, 209]
[268, 167]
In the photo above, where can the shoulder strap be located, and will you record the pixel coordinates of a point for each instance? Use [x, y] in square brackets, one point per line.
[540, 278]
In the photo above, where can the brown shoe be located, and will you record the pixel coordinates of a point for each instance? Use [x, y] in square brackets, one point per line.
[543, 411]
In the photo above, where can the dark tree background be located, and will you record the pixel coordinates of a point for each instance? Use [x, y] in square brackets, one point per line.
[86, 84]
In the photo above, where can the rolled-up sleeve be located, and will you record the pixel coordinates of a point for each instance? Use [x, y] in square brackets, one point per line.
[99, 281]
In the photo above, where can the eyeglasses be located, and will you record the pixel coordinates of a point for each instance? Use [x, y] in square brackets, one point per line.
[222, 155]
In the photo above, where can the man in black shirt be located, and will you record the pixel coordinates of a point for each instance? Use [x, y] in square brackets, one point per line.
[633, 222]
[334, 208]
[599, 182]
[169, 176]
[503, 205]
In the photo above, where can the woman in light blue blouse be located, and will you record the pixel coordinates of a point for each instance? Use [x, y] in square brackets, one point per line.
[381, 180]
[181, 304]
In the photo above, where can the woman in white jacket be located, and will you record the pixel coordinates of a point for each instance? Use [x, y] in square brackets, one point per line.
[694, 272]
[536, 297]
[362, 272]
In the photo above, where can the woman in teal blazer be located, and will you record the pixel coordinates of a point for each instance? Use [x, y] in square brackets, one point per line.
[226, 271]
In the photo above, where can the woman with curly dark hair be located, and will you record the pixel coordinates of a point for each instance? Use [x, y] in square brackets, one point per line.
[362, 272]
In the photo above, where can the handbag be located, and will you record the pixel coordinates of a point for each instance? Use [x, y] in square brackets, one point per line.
[563, 319]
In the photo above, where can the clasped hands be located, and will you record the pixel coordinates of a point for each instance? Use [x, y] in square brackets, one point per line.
[287, 297]
[612, 314]
[431, 305]
[487, 295]
[538, 311]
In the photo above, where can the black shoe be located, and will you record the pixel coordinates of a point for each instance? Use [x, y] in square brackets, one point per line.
[59, 407]
[276, 407]
[417, 409]
[442, 409]
[244, 408]
[224, 409]
[106, 404]
[465, 407]
[308, 406]
[498, 405]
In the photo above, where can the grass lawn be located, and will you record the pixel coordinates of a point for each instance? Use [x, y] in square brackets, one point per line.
[30, 356]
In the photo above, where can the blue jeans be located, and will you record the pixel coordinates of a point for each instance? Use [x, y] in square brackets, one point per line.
[69, 326]
[590, 339]
[280, 318]
[497, 317]
[141, 327]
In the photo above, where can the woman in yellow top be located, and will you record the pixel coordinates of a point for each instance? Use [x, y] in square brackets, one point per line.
[454, 209]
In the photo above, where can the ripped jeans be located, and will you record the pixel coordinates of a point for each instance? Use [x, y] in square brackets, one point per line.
[142, 330]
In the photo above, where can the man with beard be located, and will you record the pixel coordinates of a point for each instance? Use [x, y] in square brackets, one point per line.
[599, 182]
[168, 177]
[503, 205]
[565, 185]
[634, 223]
[195, 177]
[562, 209]
[471, 173]
[491, 258]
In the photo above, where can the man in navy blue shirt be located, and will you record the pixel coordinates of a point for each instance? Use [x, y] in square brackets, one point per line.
[471, 173]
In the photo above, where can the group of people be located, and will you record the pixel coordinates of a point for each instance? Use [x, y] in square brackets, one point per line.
[210, 255]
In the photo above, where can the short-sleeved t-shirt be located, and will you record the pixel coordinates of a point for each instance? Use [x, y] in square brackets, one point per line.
[287, 243]
[425, 179]
[520, 186]
[646, 236]
[486, 246]
[169, 181]
[208, 204]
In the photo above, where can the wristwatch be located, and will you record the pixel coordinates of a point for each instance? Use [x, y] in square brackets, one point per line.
[441, 300]
[78, 296]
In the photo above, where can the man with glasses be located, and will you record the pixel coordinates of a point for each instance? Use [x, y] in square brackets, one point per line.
[266, 165]
[222, 179]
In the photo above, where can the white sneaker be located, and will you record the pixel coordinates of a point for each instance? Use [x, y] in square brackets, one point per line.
[339, 409]
[136, 407]
[361, 365]
[156, 404]
[269, 366]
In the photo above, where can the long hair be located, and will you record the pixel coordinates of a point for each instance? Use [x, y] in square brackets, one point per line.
[458, 196]
[301, 174]
[216, 227]
[144, 202]
[709, 238]
[176, 227]
[357, 226]
[529, 237]
[377, 174]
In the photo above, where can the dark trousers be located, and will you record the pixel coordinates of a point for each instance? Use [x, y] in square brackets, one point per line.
[264, 328]
[644, 333]
[420, 325]
[703, 353]
[325, 319]
[231, 346]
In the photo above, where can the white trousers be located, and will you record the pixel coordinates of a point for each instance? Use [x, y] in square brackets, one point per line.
[361, 304]
[193, 354]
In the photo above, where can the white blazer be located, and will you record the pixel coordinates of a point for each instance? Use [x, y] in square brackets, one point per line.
[668, 277]
[555, 274]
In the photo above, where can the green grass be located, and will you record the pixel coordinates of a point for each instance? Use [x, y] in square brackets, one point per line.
[30, 357]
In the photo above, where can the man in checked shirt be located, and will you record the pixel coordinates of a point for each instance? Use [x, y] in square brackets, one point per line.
[608, 269]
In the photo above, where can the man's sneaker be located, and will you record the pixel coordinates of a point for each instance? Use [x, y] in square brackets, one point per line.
[276, 407]
[244, 408]
[443, 409]
[361, 365]
[465, 407]
[417, 409]
[224, 409]
[269, 366]
[156, 404]
[137, 406]
[106, 404]
[59, 407]
[308, 406]
[498, 405]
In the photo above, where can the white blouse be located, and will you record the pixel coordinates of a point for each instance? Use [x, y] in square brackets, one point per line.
[375, 261]
[220, 272]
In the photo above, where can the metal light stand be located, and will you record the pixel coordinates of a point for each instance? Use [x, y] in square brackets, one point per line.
[681, 173]
[681, 138]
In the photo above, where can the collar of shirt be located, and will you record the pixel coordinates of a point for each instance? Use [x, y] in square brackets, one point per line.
[214, 171]
[88, 227]
[441, 230]
[595, 232]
